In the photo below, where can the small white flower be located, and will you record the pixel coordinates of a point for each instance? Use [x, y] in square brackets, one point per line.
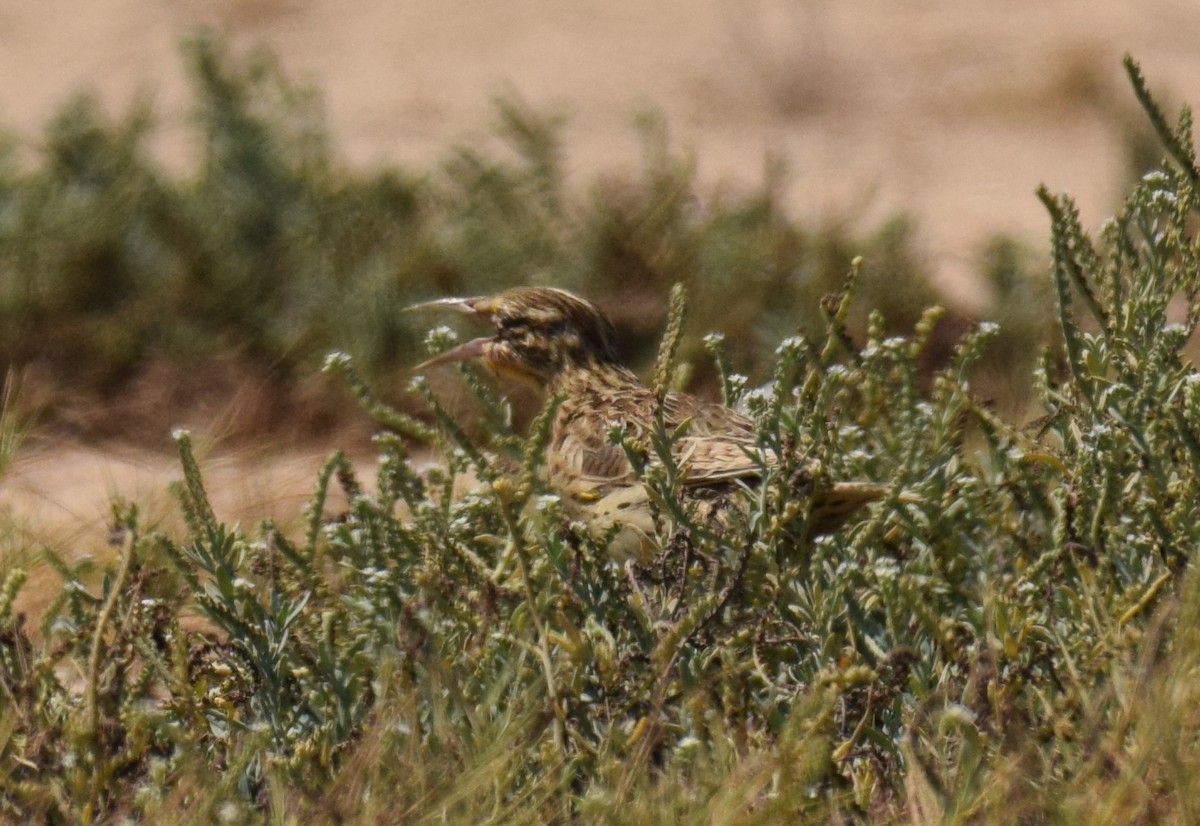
[440, 337]
[335, 360]
[886, 569]
[790, 346]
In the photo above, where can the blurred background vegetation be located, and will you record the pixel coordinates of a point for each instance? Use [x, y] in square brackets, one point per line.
[129, 295]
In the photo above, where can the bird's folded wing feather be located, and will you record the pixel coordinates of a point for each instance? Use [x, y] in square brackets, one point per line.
[719, 444]
[590, 467]
[593, 466]
[707, 459]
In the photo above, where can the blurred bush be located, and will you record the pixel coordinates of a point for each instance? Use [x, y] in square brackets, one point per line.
[272, 253]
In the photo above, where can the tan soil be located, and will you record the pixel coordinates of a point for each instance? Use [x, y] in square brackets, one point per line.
[952, 110]
[58, 497]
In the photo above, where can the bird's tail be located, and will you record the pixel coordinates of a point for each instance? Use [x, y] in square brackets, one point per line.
[837, 503]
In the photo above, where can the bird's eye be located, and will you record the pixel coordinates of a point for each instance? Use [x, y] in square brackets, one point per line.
[511, 324]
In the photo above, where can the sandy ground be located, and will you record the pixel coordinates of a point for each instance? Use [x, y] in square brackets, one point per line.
[59, 497]
[952, 110]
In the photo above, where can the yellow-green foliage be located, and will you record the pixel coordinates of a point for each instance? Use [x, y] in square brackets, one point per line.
[1010, 636]
[11, 426]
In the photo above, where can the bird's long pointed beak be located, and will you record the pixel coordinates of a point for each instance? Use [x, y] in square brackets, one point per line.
[478, 306]
[462, 305]
[473, 349]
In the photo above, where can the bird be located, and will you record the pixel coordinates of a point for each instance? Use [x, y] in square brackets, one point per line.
[564, 345]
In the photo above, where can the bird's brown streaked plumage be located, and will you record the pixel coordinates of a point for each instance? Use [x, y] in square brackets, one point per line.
[564, 344]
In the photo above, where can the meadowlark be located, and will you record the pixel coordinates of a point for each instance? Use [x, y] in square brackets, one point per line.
[565, 345]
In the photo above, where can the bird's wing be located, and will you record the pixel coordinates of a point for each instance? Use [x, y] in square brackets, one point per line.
[719, 444]
[708, 459]
[588, 467]
[706, 418]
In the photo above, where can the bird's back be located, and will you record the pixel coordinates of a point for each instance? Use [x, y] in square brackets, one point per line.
[717, 445]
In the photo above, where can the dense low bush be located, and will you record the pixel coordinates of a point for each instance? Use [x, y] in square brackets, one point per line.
[1010, 636]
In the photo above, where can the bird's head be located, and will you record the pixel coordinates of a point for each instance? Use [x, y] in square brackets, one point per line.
[541, 333]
